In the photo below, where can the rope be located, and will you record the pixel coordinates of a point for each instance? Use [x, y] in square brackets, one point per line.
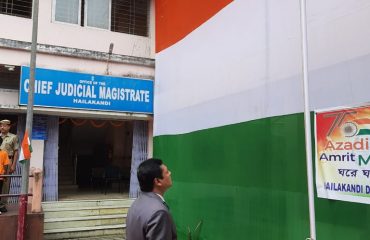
[96, 125]
[62, 121]
[78, 123]
[118, 124]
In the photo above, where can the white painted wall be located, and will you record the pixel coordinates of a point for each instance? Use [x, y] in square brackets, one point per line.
[74, 36]
[37, 160]
[8, 97]
[19, 57]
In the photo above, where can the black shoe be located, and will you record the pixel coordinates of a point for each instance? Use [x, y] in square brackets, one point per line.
[3, 209]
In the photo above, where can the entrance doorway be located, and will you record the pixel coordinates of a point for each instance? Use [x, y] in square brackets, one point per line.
[94, 158]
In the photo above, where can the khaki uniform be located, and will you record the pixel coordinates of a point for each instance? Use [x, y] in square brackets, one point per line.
[9, 145]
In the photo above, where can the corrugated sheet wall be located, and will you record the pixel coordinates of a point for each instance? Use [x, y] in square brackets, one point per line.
[50, 184]
[139, 153]
[15, 184]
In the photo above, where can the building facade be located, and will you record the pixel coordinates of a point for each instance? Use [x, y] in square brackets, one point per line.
[107, 40]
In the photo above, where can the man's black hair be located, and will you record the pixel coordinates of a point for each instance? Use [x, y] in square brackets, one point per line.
[1, 140]
[147, 172]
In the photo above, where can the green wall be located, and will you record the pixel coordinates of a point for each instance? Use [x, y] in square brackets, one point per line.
[248, 181]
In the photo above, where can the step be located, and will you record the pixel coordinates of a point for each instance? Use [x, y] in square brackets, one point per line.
[84, 211]
[86, 221]
[105, 237]
[63, 205]
[83, 232]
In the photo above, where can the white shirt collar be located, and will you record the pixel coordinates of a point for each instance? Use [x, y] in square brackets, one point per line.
[159, 195]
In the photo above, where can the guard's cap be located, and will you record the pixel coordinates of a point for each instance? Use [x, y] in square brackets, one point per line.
[5, 121]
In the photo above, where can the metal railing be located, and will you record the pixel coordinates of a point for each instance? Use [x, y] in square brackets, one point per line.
[13, 194]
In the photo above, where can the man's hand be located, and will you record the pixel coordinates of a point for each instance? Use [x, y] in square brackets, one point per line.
[12, 169]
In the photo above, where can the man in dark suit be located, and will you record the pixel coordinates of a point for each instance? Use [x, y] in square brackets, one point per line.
[149, 218]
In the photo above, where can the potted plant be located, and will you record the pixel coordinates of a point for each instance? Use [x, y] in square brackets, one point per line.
[194, 235]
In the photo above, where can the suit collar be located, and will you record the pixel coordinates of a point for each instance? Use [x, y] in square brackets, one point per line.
[160, 196]
[156, 196]
[151, 194]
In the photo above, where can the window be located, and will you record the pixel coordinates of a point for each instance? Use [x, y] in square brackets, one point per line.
[9, 76]
[19, 8]
[97, 13]
[125, 16]
[130, 16]
[67, 11]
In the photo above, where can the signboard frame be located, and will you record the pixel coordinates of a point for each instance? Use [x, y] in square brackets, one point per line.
[74, 90]
[342, 153]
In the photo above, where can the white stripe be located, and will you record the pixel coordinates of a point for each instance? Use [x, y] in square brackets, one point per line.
[238, 67]
[21, 155]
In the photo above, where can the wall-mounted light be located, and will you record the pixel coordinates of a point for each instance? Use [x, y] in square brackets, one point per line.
[9, 67]
[110, 51]
[111, 45]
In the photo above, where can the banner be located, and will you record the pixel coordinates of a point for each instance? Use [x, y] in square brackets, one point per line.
[342, 154]
[62, 89]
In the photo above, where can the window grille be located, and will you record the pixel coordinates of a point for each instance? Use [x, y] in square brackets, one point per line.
[130, 16]
[19, 8]
[125, 16]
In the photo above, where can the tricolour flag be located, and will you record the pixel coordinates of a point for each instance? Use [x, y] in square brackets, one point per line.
[364, 126]
[26, 149]
[228, 108]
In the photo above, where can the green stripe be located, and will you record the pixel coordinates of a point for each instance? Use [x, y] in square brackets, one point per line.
[248, 181]
[364, 132]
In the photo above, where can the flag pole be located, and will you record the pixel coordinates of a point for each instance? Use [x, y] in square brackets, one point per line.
[307, 121]
[23, 198]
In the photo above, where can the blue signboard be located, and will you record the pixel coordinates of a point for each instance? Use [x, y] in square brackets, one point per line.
[39, 127]
[62, 89]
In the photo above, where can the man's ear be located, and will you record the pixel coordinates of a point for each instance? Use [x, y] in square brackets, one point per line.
[157, 182]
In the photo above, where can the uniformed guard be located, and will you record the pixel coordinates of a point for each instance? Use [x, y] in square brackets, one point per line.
[10, 145]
